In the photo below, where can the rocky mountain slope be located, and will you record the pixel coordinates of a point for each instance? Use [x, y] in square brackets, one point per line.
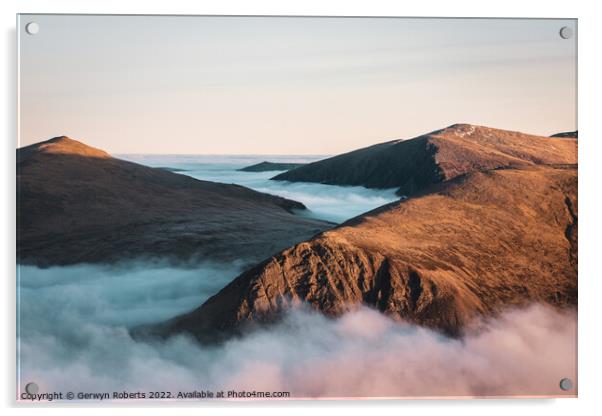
[78, 204]
[414, 164]
[466, 248]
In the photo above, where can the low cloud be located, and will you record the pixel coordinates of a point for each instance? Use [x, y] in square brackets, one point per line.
[331, 203]
[74, 337]
[327, 202]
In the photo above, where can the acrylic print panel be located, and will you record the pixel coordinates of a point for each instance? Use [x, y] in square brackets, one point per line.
[296, 207]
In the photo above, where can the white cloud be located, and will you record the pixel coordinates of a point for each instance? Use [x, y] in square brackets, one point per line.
[74, 338]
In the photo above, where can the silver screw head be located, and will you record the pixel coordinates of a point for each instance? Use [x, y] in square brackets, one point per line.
[31, 388]
[566, 384]
[566, 32]
[32, 28]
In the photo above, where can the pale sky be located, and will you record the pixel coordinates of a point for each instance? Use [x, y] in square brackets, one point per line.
[258, 85]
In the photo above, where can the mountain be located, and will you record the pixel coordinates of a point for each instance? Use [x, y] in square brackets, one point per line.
[414, 164]
[170, 169]
[466, 248]
[567, 134]
[270, 166]
[78, 204]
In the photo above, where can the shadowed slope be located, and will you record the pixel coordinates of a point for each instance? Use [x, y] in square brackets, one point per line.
[78, 204]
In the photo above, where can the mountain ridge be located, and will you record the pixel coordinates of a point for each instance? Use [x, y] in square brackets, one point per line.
[415, 164]
[266, 166]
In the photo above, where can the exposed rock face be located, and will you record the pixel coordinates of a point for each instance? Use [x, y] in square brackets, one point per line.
[78, 204]
[567, 134]
[270, 166]
[413, 165]
[466, 248]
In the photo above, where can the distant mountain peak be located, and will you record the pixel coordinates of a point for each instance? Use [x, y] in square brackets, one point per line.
[567, 134]
[62, 145]
[266, 166]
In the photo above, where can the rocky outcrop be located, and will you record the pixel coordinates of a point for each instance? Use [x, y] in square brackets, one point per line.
[77, 204]
[415, 164]
[466, 248]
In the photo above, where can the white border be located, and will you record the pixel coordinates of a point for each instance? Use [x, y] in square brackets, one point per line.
[590, 126]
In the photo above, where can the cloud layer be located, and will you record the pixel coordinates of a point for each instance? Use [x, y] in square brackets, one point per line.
[74, 337]
[327, 202]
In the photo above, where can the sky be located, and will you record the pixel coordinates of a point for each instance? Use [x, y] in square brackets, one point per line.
[284, 85]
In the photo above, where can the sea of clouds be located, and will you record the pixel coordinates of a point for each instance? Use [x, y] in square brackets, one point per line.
[74, 325]
[327, 202]
[73, 336]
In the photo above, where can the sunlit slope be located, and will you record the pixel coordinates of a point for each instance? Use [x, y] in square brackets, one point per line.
[466, 248]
